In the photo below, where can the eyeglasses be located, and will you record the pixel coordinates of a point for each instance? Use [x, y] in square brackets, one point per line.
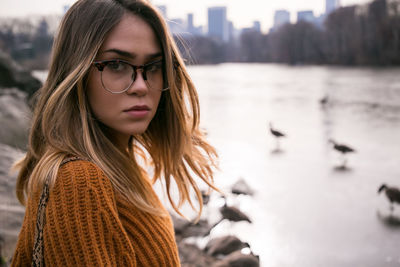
[117, 76]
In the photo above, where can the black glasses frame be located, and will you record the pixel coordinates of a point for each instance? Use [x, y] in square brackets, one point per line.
[100, 65]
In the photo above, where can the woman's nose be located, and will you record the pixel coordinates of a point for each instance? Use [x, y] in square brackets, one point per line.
[139, 85]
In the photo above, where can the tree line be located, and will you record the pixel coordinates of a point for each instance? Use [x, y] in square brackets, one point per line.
[28, 42]
[353, 35]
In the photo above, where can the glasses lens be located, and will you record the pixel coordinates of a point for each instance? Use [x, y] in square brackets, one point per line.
[154, 75]
[117, 76]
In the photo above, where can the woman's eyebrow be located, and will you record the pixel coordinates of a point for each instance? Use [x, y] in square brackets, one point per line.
[119, 52]
[155, 55]
[130, 55]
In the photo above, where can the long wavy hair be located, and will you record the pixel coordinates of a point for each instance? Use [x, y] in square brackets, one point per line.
[63, 123]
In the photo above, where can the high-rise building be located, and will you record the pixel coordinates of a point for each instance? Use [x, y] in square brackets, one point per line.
[43, 28]
[217, 23]
[257, 26]
[331, 5]
[306, 15]
[190, 22]
[281, 17]
[231, 31]
[190, 26]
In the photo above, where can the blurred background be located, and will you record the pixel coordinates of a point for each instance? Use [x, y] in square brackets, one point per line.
[323, 73]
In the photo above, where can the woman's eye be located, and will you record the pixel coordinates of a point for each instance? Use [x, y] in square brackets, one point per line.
[116, 66]
[154, 67]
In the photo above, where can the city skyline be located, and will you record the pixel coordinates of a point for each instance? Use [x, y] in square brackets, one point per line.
[242, 14]
[219, 27]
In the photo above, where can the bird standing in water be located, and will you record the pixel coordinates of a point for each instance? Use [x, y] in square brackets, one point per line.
[324, 100]
[231, 214]
[277, 134]
[343, 149]
[392, 193]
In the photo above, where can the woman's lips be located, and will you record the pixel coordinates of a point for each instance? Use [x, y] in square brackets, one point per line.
[138, 111]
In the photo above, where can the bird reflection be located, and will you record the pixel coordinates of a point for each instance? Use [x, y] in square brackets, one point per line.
[342, 168]
[389, 220]
[277, 151]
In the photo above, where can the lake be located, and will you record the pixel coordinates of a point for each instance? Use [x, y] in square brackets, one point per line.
[307, 211]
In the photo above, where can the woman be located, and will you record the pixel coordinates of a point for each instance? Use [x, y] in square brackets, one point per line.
[117, 100]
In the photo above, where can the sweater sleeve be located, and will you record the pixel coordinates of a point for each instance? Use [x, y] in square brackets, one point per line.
[82, 223]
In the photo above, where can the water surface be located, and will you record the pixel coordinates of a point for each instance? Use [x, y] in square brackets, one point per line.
[307, 212]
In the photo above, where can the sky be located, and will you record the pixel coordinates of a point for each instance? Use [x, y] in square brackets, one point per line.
[242, 13]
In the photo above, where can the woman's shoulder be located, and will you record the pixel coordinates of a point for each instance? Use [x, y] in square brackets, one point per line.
[79, 173]
[77, 163]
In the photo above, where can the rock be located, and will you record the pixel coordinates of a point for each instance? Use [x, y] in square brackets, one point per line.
[15, 118]
[242, 188]
[233, 214]
[184, 228]
[8, 155]
[13, 75]
[201, 228]
[205, 196]
[2, 261]
[191, 256]
[224, 245]
[11, 212]
[237, 259]
[180, 224]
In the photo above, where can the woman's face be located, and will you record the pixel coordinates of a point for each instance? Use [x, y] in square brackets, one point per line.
[130, 112]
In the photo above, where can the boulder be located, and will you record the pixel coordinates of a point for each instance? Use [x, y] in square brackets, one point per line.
[11, 212]
[15, 116]
[237, 259]
[233, 214]
[184, 228]
[191, 256]
[8, 155]
[242, 188]
[13, 75]
[224, 245]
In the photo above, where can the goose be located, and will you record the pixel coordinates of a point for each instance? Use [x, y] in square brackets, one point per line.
[343, 149]
[392, 193]
[277, 134]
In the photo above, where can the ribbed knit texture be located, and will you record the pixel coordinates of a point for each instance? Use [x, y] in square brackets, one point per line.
[88, 224]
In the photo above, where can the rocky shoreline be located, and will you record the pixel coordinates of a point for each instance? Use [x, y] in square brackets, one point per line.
[223, 251]
[16, 89]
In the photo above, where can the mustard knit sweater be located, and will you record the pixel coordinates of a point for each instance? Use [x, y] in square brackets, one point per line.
[88, 224]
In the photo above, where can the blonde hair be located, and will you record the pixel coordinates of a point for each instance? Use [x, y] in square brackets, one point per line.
[63, 123]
